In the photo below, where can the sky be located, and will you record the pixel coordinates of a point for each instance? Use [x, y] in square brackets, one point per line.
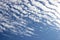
[30, 20]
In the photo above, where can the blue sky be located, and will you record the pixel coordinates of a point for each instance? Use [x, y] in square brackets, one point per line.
[30, 20]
